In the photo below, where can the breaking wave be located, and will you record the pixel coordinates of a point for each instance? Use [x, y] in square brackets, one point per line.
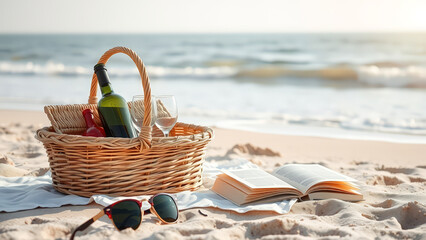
[52, 68]
[387, 75]
[410, 76]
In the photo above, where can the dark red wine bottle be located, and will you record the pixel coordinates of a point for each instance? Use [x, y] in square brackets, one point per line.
[92, 130]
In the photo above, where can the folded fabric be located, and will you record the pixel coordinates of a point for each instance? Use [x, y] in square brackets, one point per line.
[23, 193]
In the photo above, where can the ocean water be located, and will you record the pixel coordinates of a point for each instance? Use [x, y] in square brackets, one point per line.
[364, 86]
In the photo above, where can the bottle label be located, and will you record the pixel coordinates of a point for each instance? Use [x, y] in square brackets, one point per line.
[116, 122]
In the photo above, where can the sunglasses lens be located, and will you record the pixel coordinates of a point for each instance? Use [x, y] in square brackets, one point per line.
[126, 214]
[165, 207]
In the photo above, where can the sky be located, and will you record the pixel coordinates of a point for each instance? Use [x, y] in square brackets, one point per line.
[211, 16]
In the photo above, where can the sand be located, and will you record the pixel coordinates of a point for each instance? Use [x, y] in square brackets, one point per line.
[392, 176]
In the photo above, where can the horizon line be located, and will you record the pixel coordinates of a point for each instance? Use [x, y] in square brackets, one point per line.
[209, 33]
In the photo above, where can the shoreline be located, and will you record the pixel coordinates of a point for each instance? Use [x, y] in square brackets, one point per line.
[293, 148]
[30, 116]
[325, 132]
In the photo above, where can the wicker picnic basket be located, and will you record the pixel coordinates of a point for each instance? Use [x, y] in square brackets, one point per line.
[145, 165]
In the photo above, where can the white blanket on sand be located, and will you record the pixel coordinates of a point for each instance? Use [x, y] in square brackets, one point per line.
[23, 193]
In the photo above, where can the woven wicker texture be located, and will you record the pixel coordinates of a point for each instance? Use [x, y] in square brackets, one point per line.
[148, 164]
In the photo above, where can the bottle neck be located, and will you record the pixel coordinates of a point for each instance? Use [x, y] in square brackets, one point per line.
[88, 117]
[103, 80]
[106, 90]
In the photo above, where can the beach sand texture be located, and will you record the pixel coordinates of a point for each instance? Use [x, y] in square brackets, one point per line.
[391, 175]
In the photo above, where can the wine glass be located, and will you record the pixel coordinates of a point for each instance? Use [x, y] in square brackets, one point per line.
[166, 114]
[137, 110]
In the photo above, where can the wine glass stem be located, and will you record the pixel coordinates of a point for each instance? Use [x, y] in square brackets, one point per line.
[166, 134]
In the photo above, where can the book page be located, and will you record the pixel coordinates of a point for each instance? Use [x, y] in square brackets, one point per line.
[342, 196]
[340, 186]
[257, 178]
[235, 195]
[304, 176]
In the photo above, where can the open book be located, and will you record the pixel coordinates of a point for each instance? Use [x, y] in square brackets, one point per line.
[302, 181]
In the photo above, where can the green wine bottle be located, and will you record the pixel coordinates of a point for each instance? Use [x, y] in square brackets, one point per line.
[113, 109]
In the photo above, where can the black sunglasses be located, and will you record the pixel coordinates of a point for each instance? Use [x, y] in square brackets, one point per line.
[127, 213]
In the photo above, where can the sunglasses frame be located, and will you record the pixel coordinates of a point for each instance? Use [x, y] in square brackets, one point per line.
[107, 211]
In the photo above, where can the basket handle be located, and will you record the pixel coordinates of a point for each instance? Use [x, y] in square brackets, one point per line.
[146, 125]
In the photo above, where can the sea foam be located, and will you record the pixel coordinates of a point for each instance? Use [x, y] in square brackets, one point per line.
[388, 76]
[410, 76]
